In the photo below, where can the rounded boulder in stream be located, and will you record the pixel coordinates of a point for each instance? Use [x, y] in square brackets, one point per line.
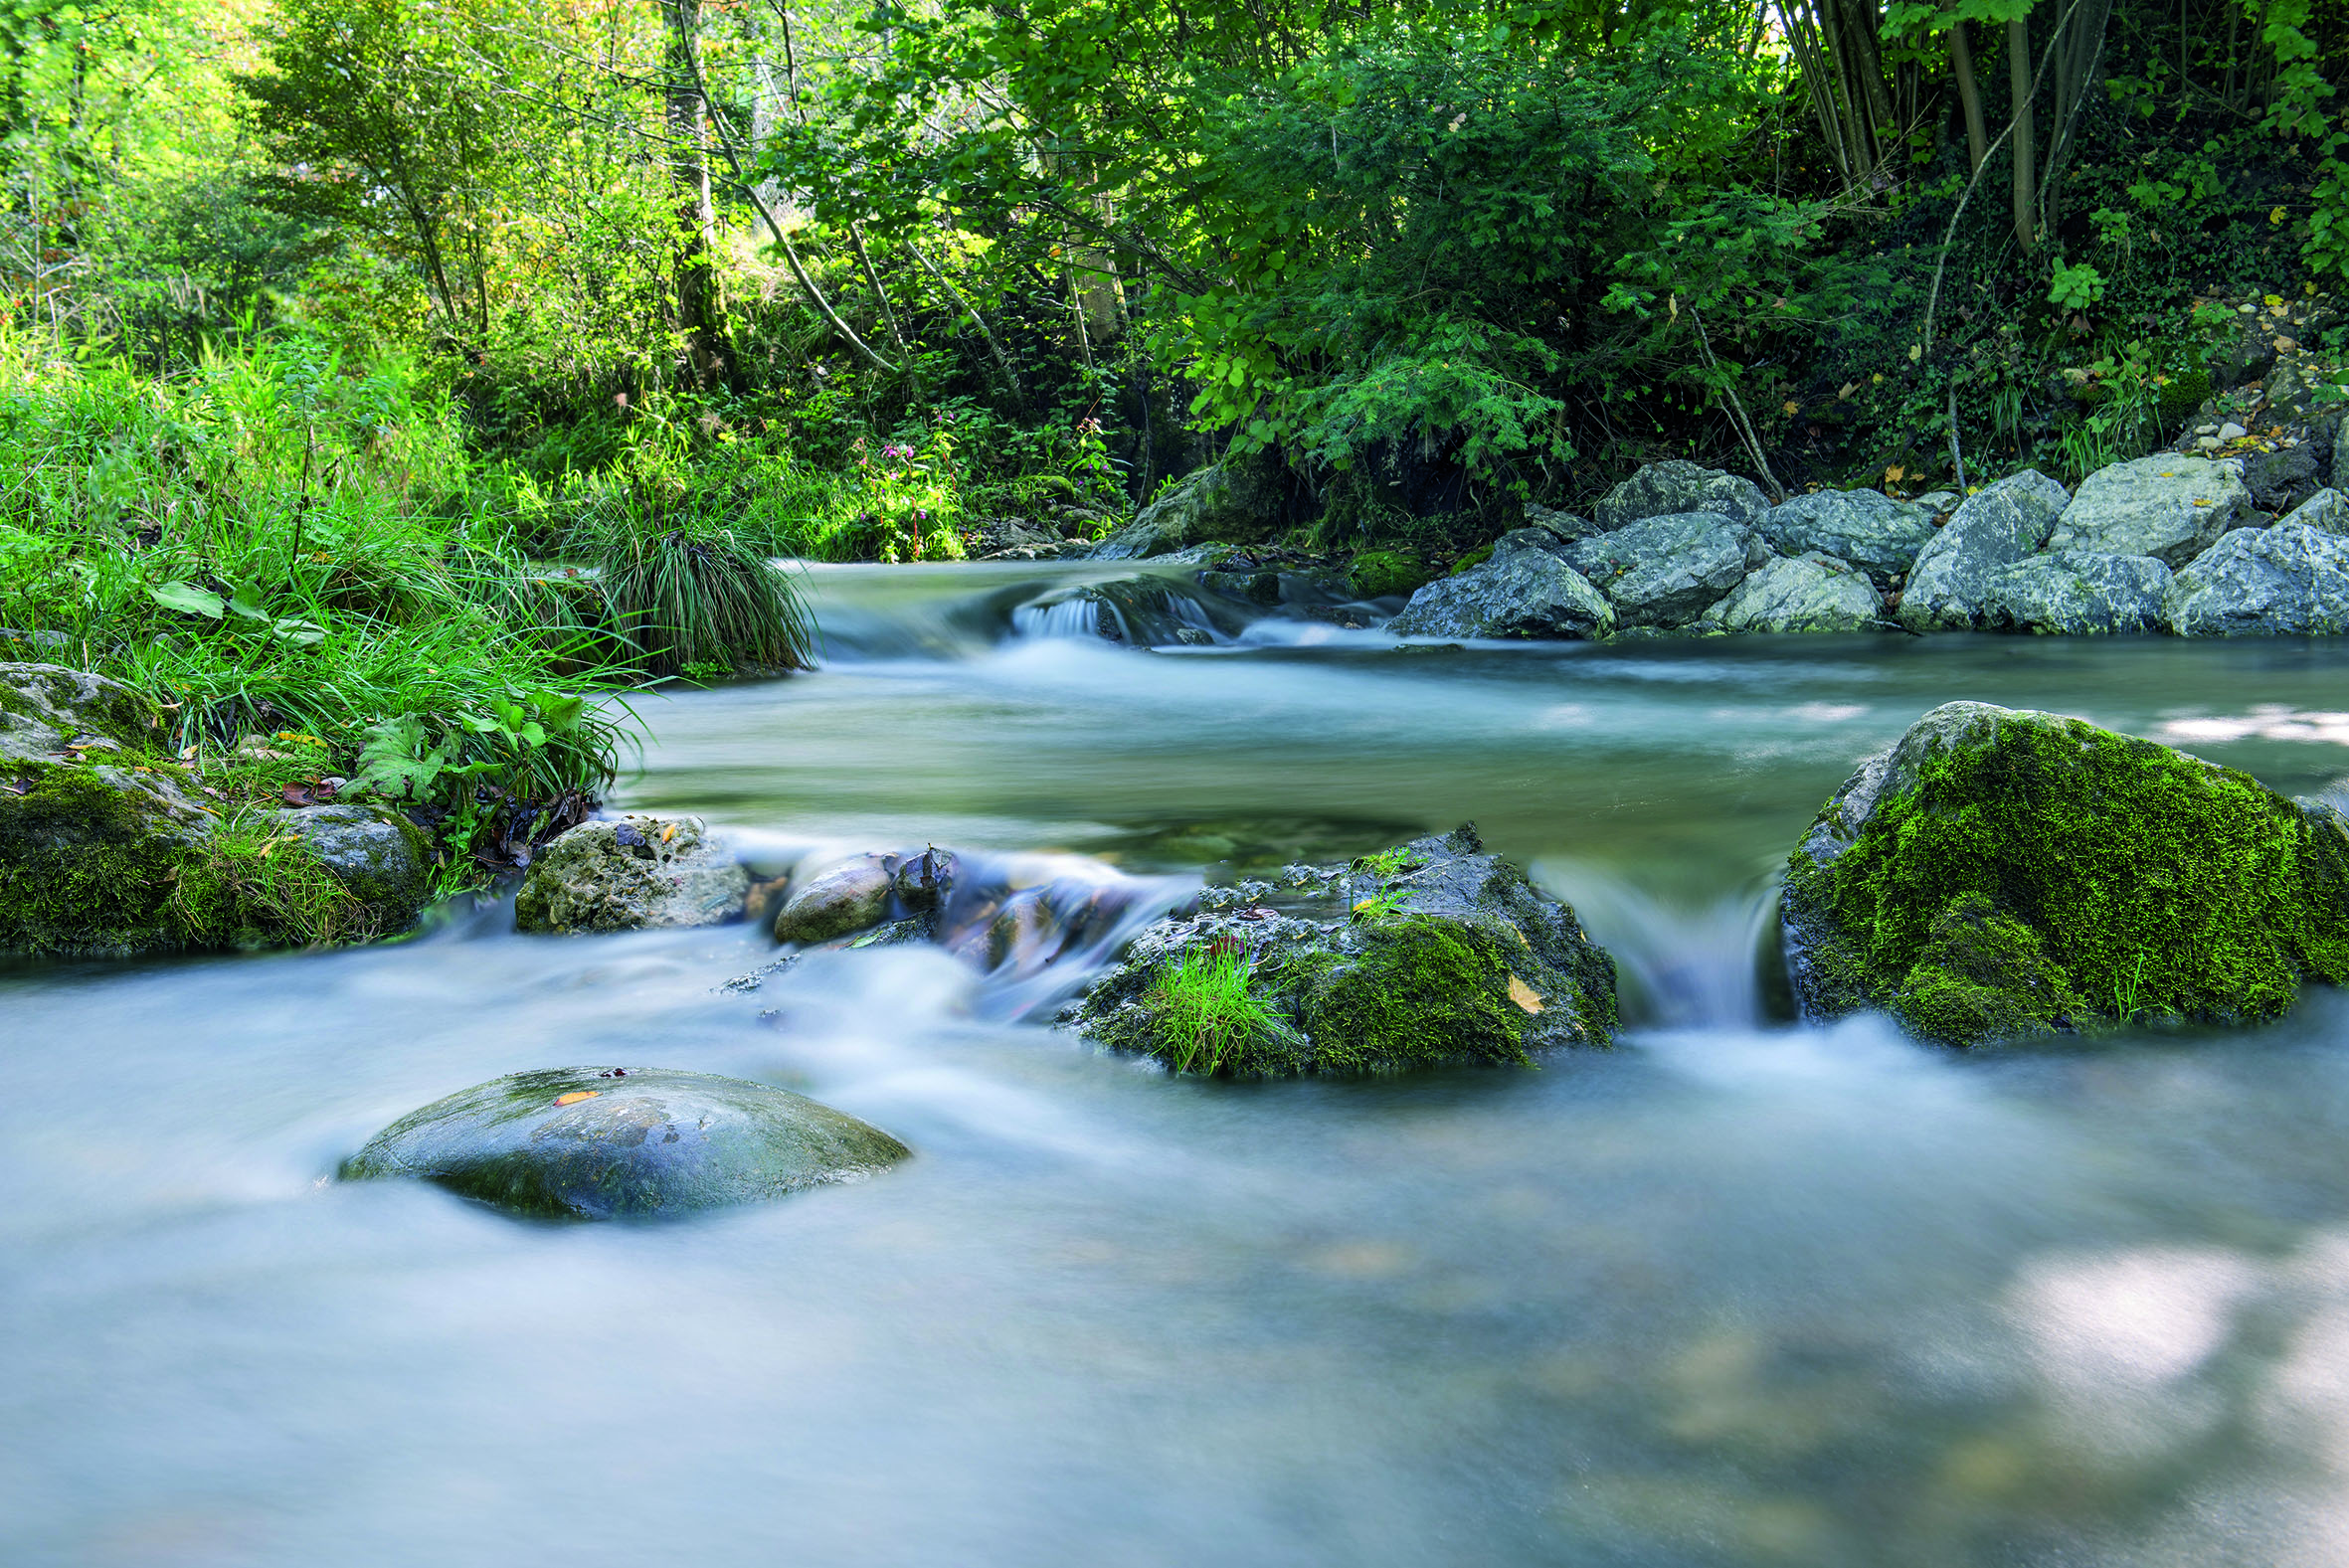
[605, 1142]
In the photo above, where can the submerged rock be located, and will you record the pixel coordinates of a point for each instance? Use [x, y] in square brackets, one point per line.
[2076, 593]
[2291, 579]
[1524, 591]
[1866, 528]
[605, 1142]
[1667, 571]
[2169, 507]
[631, 873]
[1444, 955]
[1813, 593]
[2000, 873]
[1663, 489]
[1998, 526]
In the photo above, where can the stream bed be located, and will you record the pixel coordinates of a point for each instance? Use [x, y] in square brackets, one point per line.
[1737, 1292]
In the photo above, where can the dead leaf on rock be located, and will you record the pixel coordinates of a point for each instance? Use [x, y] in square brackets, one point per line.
[576, 1095]
[1524, 996]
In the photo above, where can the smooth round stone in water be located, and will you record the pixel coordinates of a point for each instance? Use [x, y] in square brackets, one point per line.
[599, 1143]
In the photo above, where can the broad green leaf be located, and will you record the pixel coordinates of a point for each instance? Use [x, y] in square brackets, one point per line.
[186, 598]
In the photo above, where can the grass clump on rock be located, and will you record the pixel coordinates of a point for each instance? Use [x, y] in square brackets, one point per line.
[2001, 873]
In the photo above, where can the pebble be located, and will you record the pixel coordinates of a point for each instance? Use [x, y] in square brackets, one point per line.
[2232, 431]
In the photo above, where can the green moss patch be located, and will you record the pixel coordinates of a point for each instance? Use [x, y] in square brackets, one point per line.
[1383, 573]
[1419, 991]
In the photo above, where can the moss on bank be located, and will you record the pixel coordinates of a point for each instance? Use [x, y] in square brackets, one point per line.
[92, 865]
[2035, 873]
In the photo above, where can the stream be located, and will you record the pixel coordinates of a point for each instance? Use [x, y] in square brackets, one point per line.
[1737, 1292]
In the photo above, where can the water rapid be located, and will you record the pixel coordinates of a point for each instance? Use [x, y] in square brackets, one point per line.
[1737, 1292]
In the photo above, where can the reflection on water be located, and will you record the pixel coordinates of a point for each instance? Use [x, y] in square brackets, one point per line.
[1732, 1294]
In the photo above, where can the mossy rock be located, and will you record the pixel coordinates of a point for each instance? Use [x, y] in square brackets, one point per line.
[104, 853]
[605, 1142]
[1386, 574]
[2002, 873]
[1433, 953]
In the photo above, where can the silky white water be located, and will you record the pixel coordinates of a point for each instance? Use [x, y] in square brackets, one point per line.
[1734, 1293]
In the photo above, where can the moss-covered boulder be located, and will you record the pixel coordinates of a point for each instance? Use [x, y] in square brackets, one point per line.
[2001, 873]
[105, 851]
[1431, 954]
[601, 1142]
[632, 873]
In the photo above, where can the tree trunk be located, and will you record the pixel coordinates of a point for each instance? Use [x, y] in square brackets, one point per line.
[2025, 154]
[1969, 96]
[696, 274]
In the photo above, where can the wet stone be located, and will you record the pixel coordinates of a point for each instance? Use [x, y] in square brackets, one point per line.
[608, 1142]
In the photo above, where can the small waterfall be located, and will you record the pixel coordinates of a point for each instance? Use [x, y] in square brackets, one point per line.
[1138, 613]
[1041, 925]
[1680, 966]
[1065, 618]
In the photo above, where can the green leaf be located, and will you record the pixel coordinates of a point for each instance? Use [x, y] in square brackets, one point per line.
[186, 598]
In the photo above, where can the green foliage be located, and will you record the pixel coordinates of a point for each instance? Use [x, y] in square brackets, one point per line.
[2077, 287]
[246, 546]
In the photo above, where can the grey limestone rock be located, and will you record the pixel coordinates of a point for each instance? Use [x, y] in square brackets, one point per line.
[1665, 571]
[2166, 506]
[380, 857]
[1234, 501]
[608, 1142]
[630, 873]
[1519, 592]
[1662, 488]
[2079, 592]
[2291, 579]
[1866, 528]
[2327, 511]
[1811, 593]
[2283, 479]
[1998, 526]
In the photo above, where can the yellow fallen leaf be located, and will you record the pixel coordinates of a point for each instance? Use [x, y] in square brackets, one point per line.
[1895, 474]
[669, 832]
[1524, 996]
[1793, 407]
[576, 1095]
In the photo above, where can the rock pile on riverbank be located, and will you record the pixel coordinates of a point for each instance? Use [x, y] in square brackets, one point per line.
[2001, 873]
[1430, 953]
[2163, 544]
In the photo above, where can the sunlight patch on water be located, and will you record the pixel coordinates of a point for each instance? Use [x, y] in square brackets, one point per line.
[2266, 722]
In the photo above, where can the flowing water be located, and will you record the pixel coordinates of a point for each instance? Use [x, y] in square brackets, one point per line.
[1735, 1293]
